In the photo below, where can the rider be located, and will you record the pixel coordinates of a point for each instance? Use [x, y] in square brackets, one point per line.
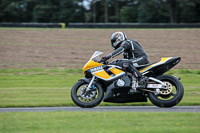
[134, 55]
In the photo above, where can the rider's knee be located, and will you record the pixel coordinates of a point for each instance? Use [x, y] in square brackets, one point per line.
[126, 65]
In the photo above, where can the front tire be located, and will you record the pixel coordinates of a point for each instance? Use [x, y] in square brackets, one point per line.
[86, 99]
[172, 96]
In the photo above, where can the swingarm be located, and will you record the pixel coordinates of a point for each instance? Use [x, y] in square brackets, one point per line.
[157, 85]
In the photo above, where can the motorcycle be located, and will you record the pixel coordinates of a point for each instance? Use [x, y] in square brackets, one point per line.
[120, 86]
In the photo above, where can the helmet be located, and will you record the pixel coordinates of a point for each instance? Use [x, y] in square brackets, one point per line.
[117, 38]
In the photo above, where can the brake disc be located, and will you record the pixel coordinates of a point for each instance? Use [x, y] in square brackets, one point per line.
[86, 94]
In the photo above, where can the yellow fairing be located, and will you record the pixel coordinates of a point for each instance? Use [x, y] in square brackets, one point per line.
[164, 59]
[115, 71]
[102, 74]
[91, 64]
[161, 61]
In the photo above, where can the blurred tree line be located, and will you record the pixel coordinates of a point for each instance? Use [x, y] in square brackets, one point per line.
[99, 11]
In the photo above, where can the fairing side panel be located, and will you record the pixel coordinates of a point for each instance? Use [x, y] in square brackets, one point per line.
[103, 74]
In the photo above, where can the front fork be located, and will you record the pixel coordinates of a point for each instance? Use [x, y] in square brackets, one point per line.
[90, 84]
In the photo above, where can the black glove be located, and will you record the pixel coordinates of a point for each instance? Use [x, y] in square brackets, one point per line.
[105, 58]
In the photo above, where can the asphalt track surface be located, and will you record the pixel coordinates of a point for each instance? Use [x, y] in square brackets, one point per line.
[105, 109]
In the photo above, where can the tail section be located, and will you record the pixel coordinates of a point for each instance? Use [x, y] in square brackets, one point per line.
[161, 67]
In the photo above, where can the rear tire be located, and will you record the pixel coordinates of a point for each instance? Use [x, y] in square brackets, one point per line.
[165, 101]
[77, 99]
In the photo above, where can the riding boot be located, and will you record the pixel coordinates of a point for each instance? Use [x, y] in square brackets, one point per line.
[142, 80]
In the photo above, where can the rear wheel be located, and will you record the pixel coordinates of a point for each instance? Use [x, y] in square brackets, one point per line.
[86, 99]
[170, 97]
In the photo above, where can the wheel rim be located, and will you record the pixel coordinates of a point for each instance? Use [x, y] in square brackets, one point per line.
[87, 96]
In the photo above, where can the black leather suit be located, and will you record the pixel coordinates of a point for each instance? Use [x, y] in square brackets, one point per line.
[134, 56]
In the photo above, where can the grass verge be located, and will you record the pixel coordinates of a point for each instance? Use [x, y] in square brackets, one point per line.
[51, 87]
[99, 122]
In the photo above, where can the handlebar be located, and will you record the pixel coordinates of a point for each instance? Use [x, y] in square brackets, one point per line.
[105, 62]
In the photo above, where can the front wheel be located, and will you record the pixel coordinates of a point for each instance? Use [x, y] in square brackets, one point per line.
[170, 97]
[86, 99]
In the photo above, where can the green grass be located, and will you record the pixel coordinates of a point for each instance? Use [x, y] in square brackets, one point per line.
[39, 71]
[99, 122]
[51, 87]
